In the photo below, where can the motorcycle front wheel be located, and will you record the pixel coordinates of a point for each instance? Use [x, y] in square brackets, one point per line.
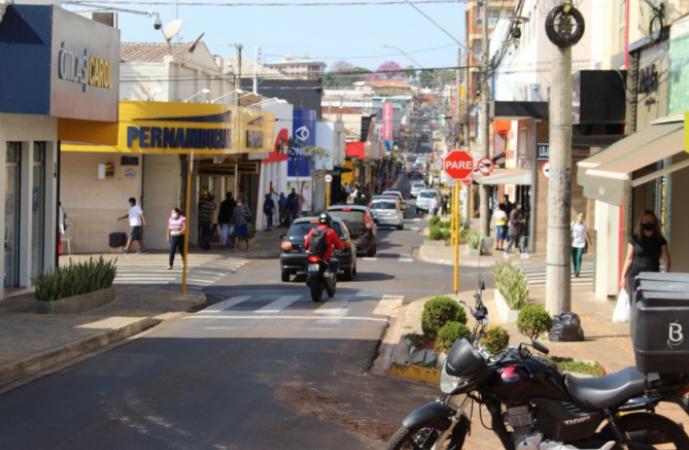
[426, 439]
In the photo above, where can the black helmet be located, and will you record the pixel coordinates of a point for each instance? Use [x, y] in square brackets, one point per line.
[325, 219]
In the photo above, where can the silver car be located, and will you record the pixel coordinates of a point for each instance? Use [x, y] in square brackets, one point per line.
[387, 212]
[416, 187]
[425, 200]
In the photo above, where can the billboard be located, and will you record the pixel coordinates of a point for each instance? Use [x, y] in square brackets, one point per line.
[299, 164]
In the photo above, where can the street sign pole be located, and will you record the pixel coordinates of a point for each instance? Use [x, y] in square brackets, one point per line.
[328, 181]
[187, 214]
[457, 224]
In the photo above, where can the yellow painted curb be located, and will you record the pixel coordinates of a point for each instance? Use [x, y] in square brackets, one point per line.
[415, 373]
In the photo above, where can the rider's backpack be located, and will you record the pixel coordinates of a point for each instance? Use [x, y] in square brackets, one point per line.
[318, 244]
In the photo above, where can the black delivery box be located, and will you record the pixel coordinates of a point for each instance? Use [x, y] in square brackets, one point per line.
[660, 331]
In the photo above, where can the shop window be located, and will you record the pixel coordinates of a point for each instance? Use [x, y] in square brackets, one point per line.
[12, 212]
[38, 209]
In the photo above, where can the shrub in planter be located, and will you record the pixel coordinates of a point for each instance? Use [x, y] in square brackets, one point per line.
[449, 333]
[495, 339]
[473, 239]
[444, 224]
[436, 233]
[512, 284]
[435, 220]
[75, 279]
[447, 234]
[437, 312]
[533, 320]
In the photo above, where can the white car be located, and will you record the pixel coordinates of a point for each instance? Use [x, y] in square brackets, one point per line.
[398, 194]
[387, 212]
[416, 187]
[424, 200]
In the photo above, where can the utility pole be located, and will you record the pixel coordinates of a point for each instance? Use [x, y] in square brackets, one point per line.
[458, 106]
[564, 27]
[484, 134]
[257, 61]
[238, 138]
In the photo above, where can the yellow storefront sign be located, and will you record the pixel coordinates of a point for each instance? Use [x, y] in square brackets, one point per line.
[173, 128]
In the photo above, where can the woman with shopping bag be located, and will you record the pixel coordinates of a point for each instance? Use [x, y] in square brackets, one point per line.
[645, 250]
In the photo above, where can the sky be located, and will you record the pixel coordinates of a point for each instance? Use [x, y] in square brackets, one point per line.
[353, 33]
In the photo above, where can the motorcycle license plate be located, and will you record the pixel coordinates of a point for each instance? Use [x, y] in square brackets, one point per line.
[314, 267]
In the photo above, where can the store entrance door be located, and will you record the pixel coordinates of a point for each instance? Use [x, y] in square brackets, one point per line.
[38, 210]
[12, 205]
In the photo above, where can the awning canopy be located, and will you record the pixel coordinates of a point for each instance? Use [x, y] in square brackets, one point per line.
[355, 149]
[520, 177]
[605, 175]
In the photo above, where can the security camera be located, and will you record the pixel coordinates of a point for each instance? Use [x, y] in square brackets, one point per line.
[157, 23]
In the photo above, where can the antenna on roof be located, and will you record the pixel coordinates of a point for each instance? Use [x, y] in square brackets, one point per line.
[196, 42]
[171, 30]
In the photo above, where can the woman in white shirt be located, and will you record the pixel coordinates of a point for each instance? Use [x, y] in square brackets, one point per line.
[580, 239]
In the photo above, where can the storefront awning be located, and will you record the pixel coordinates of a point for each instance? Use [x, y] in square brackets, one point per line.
[605, 175]
[520, 177]
[355, 150]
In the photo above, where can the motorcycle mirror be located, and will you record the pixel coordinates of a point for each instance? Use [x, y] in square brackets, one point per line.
[540, 347]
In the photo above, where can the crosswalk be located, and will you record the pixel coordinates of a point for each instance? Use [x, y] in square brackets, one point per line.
[204, 270]
[536, 274]
[261, 306]
[403, 258]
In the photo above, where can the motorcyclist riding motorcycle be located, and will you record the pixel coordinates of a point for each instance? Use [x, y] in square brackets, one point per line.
[332, 240]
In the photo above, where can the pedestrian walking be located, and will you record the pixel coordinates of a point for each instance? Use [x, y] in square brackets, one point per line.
[137, 222]
[61, 227]
[501, 220]
[444, 205]
[240, 217]
[580, 242]
[282, 207]
[206, 211]
[644, 251]
[268, 210]
[293, 206]
[434, 205]
[507, 205]
[515, 231]
[225, 218]
[176, 230]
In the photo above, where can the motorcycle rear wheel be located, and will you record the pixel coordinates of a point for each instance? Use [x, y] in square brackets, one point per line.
[425, 439]
[316, 290]
[646, 430]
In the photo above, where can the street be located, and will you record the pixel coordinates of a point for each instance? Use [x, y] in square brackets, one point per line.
[262, 367]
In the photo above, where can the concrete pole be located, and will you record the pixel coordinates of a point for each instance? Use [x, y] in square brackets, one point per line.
[484, 123]
[558, 277]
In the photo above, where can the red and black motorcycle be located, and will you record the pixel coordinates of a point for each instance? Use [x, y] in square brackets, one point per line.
[320, 277]
[533, 406]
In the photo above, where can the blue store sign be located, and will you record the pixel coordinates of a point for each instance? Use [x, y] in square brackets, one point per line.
[62, 65]
[304, 133]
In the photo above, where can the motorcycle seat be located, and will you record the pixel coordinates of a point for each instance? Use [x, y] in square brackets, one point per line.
[605, 392]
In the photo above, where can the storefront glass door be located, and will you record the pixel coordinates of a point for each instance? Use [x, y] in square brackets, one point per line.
[38, 209]
[12, 204]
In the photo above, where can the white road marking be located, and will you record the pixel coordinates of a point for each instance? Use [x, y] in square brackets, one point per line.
[226, 304]
[369, 258]
[414, 228]
[405, 258]
[279, 304]
[263, 317]
[337, 308]
[388, 304]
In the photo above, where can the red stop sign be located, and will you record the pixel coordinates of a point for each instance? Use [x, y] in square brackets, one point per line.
[459, 164]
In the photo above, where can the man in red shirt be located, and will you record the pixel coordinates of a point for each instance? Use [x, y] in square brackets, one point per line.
[332, 240]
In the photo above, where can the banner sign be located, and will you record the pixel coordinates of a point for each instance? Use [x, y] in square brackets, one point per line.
[304, 133]
[388, 126]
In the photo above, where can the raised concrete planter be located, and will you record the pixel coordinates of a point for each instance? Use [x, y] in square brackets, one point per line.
[506, 314]
[78, 303]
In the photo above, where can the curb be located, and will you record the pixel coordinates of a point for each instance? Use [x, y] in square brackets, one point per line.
[15, 371]
[415, 373]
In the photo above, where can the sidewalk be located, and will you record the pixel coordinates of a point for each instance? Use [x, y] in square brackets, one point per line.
[32, 343]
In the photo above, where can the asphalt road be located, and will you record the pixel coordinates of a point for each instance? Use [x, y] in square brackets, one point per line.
[261, 368]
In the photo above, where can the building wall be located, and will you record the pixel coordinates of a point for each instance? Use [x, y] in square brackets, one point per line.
[162, 191]
[28, 129]
[93, 205]
[679, 238]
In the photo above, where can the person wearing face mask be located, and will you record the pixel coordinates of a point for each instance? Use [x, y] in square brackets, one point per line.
[644, 251]
[176, 229]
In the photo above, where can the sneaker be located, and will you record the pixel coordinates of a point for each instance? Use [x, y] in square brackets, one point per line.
[125, 251]
[506, 255]
[141, 250]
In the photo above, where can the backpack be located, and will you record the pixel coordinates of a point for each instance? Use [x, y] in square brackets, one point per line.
[318, 245]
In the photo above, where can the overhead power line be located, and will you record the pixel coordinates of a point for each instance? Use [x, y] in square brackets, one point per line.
[240, 4]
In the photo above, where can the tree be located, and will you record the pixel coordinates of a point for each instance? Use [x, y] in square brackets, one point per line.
[427, 78]
[411, 73]
[389, 70]
[343, 73]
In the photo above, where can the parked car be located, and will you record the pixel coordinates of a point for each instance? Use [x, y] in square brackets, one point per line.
[387, 212]
[361, 226]
[416, 187]
[399, 195]
[293, 255]
[424, 199]
[385, 197]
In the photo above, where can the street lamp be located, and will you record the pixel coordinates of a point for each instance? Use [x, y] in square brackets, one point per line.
[204, 91]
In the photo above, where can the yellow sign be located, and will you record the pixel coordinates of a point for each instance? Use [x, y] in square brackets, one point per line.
[686, 132]
[172, 128]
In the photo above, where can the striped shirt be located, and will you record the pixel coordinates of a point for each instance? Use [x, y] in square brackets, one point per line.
[206, 210]
[176, 225]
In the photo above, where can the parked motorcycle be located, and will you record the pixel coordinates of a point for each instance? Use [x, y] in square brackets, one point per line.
[319, 278]
[533, 406]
